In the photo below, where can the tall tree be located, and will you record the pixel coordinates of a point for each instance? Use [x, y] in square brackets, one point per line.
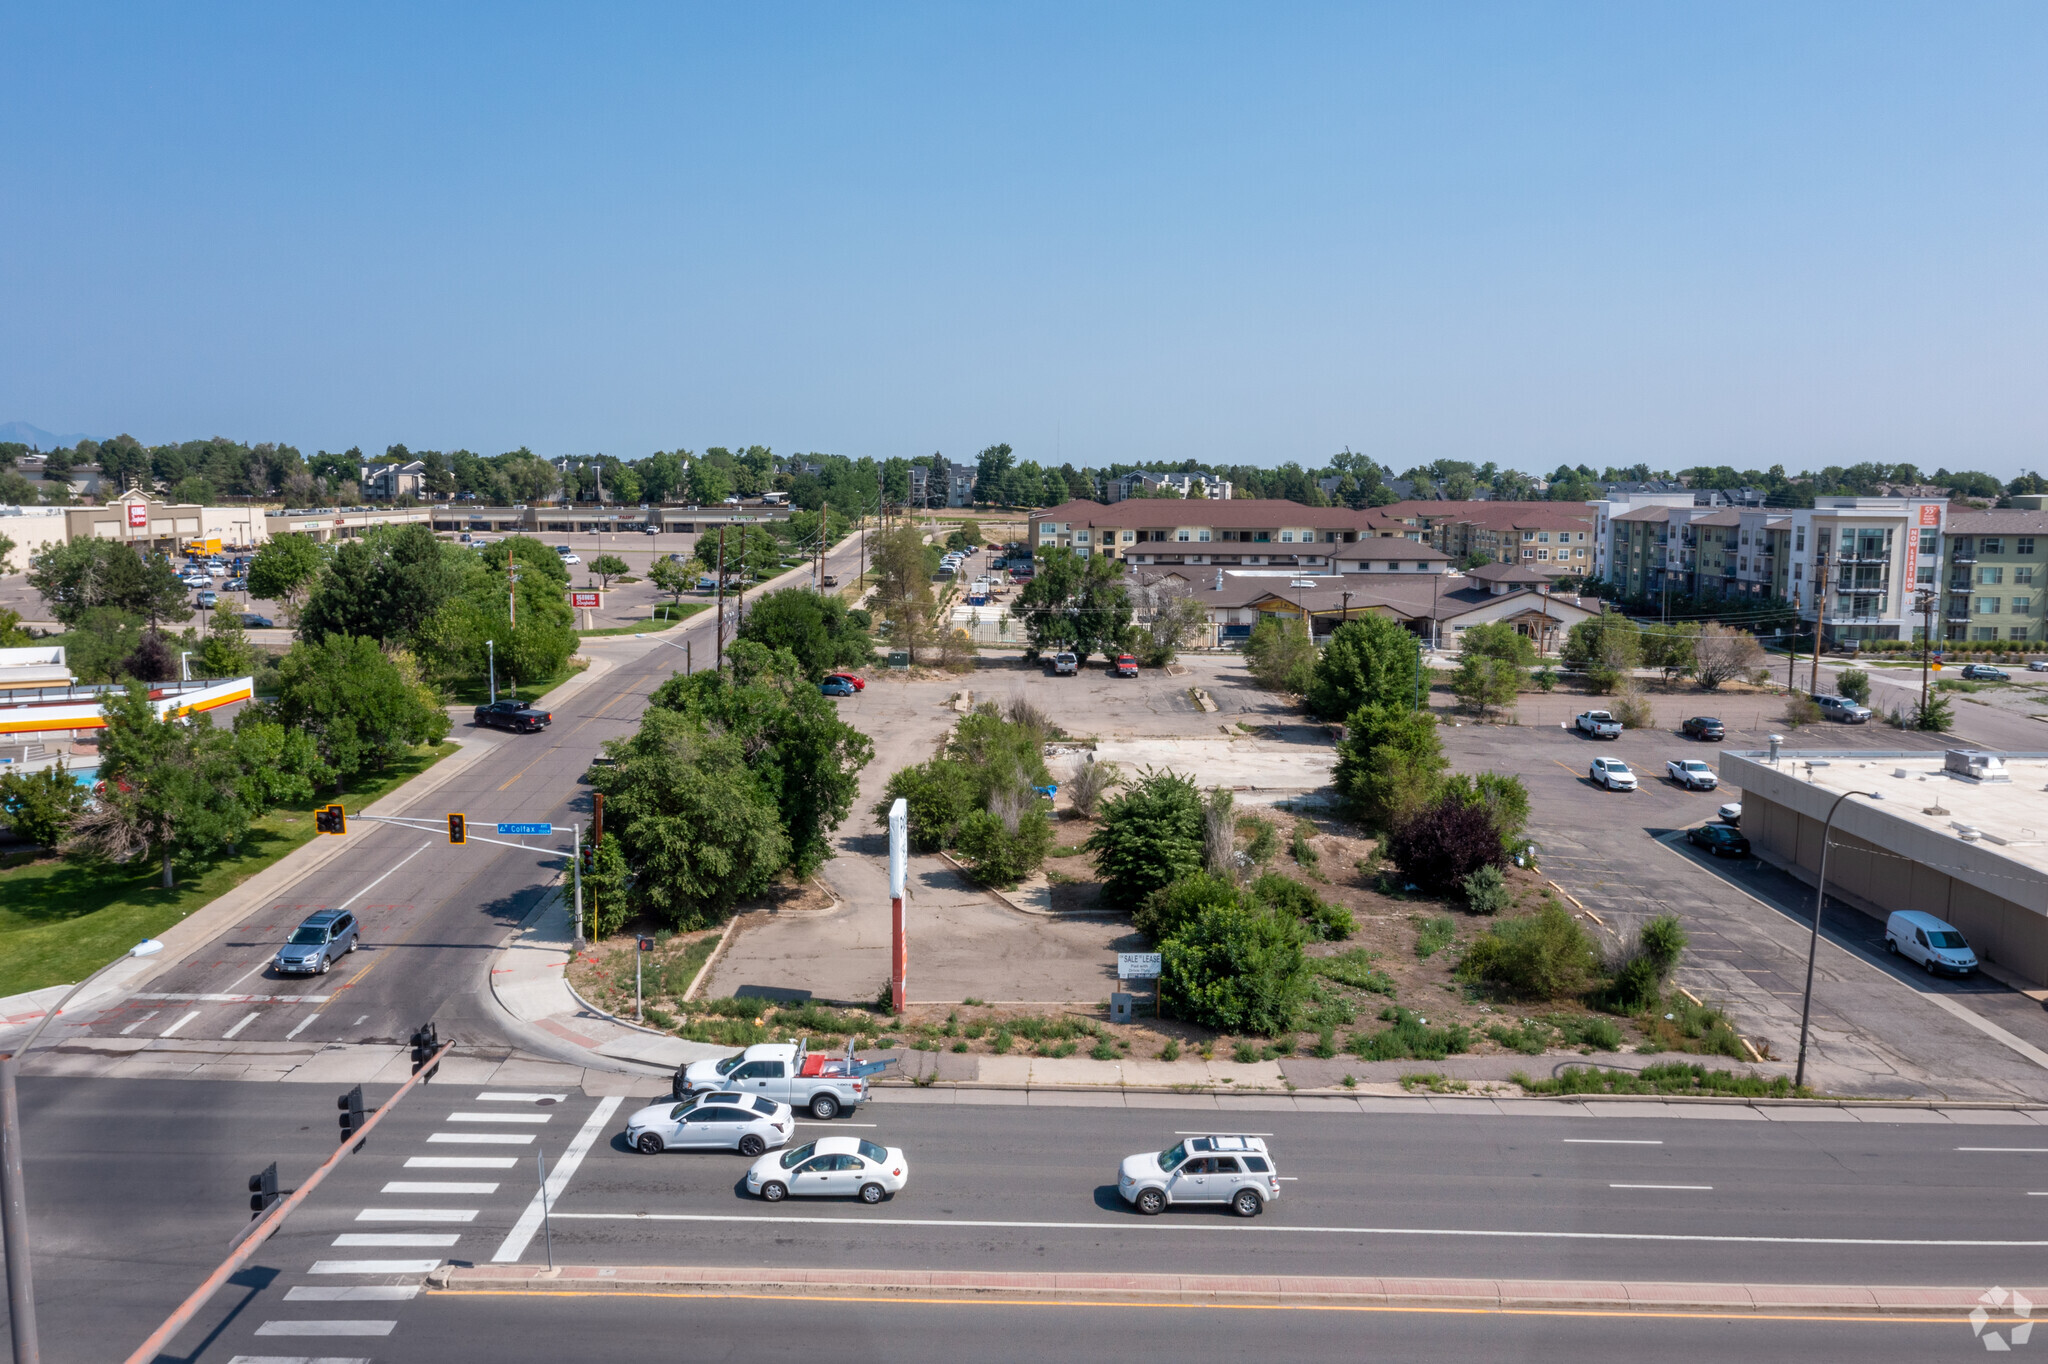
[284, 568]
[1368, 661]
[358, 707]
[1074, 603]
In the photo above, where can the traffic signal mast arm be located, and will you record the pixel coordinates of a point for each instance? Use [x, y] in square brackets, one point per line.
[470, 834]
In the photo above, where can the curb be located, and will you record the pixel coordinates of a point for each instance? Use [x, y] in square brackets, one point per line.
[1246, 1289]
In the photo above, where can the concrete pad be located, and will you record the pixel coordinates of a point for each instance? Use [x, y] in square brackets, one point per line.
[525, 1072]
[1555, 1292]
[1074, 1070]
[1987, 1117]
[1012, 1098]
[1811, 1296]
[2038, 1115]
[599, 1084]
[911, 1094]
[346, 1065]
[142, 1068]
[1259, 1074]
[1005, 1070]
[1164, 1073]
[1202, 1103]
[465, 1070]
[1069, 1098]
[1920, 1115]
[1689, 1294]
[219, 1070]
[1407, 1107]
[1256, 1103]
[75, 1064]
[1325, 1103]
[1486, 1108]
[1807, 1114]
[1248, 762]
[1724, 1112]
[1621, 1108]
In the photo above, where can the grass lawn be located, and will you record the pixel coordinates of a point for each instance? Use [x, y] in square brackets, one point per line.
[664, 616]
[59, 921]
[476, 691]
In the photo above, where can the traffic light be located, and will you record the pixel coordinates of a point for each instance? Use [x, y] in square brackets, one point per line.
[352, 1116]
[425, 1043]
[263, 1190]
[330, 819]
[589, 859]
[458, 829]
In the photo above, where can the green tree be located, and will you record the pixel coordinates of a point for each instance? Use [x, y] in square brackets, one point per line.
[1279, 655]
[284, 568]
[12, 636]
[1670, 649]
[709, 484]
[7, 548]
[1608, 647]
[84, 575]
[820, 631]
[1074, 603]
[672, 578]
[607, 890]
[903, 566]
[1370, 661]
[1237, 969]
[1490, 667]
[607, 567]
[385, 586]
[1389, 764]
[358, 707]
[1150, 836]
[1854, 683]
[1169, 910]
[226, 651]
[39, 806]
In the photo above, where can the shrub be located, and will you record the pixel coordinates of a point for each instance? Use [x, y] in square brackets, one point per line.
[1486, 891]
[1937, 716]
[1632, 708]
[1670, 1077]
[1305, 855]
[1262, 840]
[1236, 969]
[1410, 1038]
[939, 795]
[1800, 710]
[1580, 1030]
[1090, 784]
[1854, 683]
[1280, 656]
[1168, 910]
[1545, 678]
[1285, 895]
[1498, 792]
[1545, 955]
[1434, 935]
[999, 855]
[1219, 832]
[1445, 843]
[1150, 836]
[1354, 968]
[1389, 764]
[1369, 661]
[39, 806]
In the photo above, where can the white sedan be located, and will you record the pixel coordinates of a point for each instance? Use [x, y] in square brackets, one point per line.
[571, 559]
[747, 1123]
[1613, 774]
[1692, 774]
[830, 1167]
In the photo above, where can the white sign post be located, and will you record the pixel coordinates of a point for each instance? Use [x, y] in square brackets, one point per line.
[899, 858]
[1140, 966]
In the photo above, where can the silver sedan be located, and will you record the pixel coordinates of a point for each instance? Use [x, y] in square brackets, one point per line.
[746, 1123]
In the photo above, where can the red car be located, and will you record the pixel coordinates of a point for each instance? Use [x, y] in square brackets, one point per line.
[1126, 666]
[855, 682]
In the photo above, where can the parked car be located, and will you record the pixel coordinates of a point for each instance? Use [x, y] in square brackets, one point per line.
[571, 559]
[207, 599]
[836, 686]
[1599, 724]
[1935, 944]
[830, 1167]
[787, 1072]
[514, 715]
[1126, 666]
[1843, 709]
[1613, 774]
[747, 1123]
[1731, 813]
[2037, 665]
[1232, 1170]
[1721, 840]
[235, 585]
[317, 944]
[859, 683]
[252, 621]
[1692, 774]
[1065, 664]
[1704, 727]
[1984, 672]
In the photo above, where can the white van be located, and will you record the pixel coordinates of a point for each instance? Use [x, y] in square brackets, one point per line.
[1922, 938]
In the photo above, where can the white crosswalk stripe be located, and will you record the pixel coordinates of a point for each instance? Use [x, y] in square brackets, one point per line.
[399, 1186]
[397, 1238]
[461, 1162]
[500, 1117]
[417, 1215]
[482, 1138]
[364, 1292]
[374, 1266]
[297, 1359]
[508, 1096]
[179, 1024]
[326, 1328]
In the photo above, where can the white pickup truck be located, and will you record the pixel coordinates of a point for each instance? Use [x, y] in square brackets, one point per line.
[1599, 724]
[787, 1072]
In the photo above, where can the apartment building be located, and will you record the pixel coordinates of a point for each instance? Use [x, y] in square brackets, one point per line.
[1997, 574]
[1179, 485]
[1240, 532]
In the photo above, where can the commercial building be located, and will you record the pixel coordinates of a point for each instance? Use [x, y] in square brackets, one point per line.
[40, 702]
[1240, 532]
[1958, 835]
[469, 518]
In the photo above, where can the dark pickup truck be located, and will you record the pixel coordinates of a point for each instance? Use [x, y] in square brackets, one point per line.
[513, 715]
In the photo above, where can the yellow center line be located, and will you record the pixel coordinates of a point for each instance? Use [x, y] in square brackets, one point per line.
[1573, 770]
[1622, 1313]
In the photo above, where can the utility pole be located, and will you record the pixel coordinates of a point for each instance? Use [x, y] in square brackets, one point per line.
[1926, 642]
[511, 589]
[739, 614]
[576, 867]
[718, 655]
[824, 519]
[1820, 619]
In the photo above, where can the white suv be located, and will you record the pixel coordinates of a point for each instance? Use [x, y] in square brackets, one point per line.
[1234, 1170]
[1613, 774]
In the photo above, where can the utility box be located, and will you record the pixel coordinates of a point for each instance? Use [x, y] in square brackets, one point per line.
[899, 658]
[1120, 1010]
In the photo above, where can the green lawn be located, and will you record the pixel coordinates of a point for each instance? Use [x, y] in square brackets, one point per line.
[664, 616]
[476, 691]
[60, 920]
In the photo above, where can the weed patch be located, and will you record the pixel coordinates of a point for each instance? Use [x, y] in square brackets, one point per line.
[1671, 1077]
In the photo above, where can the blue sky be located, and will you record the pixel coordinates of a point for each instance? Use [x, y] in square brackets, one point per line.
[1727, 233]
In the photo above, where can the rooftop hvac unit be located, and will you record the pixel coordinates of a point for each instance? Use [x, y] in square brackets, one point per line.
[1974, 766]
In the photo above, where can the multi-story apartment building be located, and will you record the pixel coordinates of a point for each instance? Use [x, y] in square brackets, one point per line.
[1180, 485]
[1241, 532]
[1997, 574]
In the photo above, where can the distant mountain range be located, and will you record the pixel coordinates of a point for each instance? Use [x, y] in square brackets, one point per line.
[36, 436]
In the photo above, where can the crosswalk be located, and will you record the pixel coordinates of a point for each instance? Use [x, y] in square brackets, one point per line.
[429, 1218]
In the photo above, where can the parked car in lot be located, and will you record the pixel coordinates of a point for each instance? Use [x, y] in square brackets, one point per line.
[235, 585]
[1126, 666]
[1692, 774]
[830, 1167]
[1843, 709]
[514, 715]
[1721, 840]
[859, 683]
[252, 621]
[1613, 774]
[836, 686]
[1235, 1171]
[1703, 727]
[719, 1121]
[1599, 724]
[207, 599]
[1984, 672]
[2037, 665]
[318, 943]
[571, 559]
[1934, 943]
[1731, 813]
[1065, 664]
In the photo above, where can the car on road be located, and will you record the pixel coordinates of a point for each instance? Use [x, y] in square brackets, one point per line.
[1703, 727]
[746, 1123]
[318, 943]
[1236, 1171]
[829, 580]
[1722, 840]
[571, 559]
[1692, 774]
[1843, 709]
[252, 621]
[1934, 943]
[787, 1072]
[1065, 664]
[207, 598]
[836, 686]
[1612, 773]
[515, 715]
[859, 682]
[1125, 666]
[1599, 724]
[1984, 672]
[830, 1167]
[2037, 665]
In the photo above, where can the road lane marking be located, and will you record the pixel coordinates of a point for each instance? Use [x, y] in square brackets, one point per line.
[549, 1194]
[303, 1024]
[326, 1328]
[179, 1024]
[397, 1238]
[221, 998]
[140, 1021]
[833, 1122]
[1250, 1228]
[1706, 1187]
[1608, 1141]
[461, 1162]
[483, 1138]
[500, 1117]
[385, 877]
[247, 1019]
[2010, 1150]
[1212, 1132]
[374, 1266]
[360, 1021]
[511, 1096]
[365, 1292]
[417, 1215]
[401, 1186]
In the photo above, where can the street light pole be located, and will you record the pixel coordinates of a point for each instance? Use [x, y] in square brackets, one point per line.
[1820, 898]
[21, 1288]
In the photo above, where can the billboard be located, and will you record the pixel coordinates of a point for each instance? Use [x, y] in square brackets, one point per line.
[590, 601]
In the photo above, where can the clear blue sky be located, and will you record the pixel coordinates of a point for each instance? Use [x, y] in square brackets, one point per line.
[1730, 233]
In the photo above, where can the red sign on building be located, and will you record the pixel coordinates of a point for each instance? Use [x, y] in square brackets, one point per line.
[138, 516]
[590, 601]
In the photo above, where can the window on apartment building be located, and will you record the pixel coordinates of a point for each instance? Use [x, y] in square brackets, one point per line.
[1181, 536]
[1203, 537]
[1926, 572]
[1528, 535]
[2023, 576]
[1930, 541]
[1262, 536]
[1991, 544]
[1127, 537]
[1543, 537]
[2022, 605]
[1286, 537]
[1080, 537]
[1799, 538]
[1987, 606]
[1984, 632]
[2026, 547]
[1798, 572]
[1986, 577]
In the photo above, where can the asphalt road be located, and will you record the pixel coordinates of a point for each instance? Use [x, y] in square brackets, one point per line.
[995, 1187]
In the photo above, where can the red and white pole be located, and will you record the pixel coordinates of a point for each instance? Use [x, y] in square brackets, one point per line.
[899, 943]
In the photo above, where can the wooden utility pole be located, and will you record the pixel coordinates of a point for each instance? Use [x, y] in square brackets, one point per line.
[1820, 619]
[511, 590]
[824, 519]
[1926, 642]
[718, 652]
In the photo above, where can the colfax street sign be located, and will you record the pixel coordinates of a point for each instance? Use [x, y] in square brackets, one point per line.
[526, 830]
[586, 601]
[1137, 965]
